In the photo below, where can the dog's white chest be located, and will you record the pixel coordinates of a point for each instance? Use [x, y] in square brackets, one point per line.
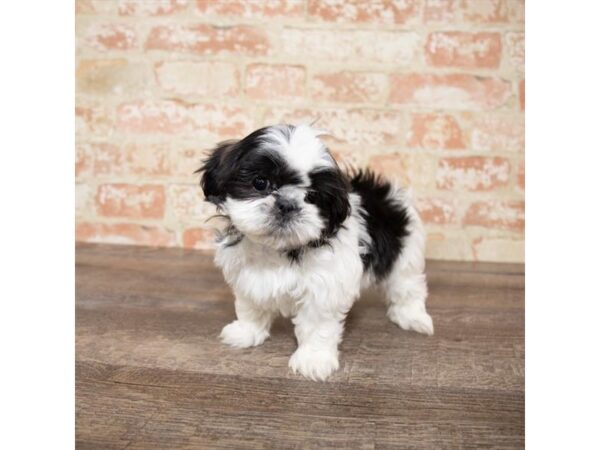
[266, 278]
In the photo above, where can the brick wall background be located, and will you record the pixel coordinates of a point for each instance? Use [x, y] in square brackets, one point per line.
[429, 92]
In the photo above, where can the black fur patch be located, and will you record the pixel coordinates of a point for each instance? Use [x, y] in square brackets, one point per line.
[328, 191]
[386, 221]
[232, 167]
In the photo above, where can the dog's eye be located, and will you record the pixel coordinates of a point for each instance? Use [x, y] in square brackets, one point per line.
[260, 183]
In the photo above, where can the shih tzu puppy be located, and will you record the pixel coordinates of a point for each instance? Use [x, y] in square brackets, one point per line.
[303, 238]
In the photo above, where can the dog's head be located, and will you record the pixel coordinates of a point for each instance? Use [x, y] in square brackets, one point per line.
[279, 186]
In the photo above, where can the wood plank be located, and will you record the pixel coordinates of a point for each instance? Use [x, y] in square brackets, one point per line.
[178, 396]
[151, 372]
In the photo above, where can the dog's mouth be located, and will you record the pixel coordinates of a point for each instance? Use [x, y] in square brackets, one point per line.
[287, 221]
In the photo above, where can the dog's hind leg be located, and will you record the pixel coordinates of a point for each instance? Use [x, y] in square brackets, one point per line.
[406, 286]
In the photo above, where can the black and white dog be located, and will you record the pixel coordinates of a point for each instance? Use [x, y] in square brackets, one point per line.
[303, 238]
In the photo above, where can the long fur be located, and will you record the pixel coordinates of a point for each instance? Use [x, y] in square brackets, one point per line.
[338, 233]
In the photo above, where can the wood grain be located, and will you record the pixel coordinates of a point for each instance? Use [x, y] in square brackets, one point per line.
[151, 373]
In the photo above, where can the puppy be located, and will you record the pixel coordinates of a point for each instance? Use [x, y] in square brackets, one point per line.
[303, 238]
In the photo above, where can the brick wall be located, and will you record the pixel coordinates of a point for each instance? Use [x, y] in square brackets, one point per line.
[429, 92]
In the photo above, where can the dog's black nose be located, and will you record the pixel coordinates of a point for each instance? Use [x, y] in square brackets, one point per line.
[285, 205]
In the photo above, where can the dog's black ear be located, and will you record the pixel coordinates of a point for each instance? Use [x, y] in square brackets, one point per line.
[329, 191]
[214, 173]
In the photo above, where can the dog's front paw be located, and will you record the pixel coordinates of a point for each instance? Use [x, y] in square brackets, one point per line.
[316, 364]
[243, 334]
[411, 317]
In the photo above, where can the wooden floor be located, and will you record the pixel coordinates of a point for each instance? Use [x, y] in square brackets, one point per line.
[151, 372]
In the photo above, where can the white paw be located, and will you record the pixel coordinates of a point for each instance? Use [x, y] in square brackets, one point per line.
[316, 364]
[243, 334]
[411, 317]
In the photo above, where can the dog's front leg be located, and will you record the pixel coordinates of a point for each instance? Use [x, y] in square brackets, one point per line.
[319, 332]
[251, 327]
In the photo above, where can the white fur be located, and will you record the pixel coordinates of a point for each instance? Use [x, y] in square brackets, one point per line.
[319, 290]
[254, 219]
[317, 293]
[304, 151]
[406, 287]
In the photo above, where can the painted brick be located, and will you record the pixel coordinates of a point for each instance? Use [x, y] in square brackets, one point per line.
[405, 169]
[199, 239]
[522, 95]
[348, 157]
[151, 7]
[124, 233]
[474, 11]
[208, 39]
[515, 48]
[448, 244]
[93, 118]
[492, 11]
[127, 200]
[473, 173]
[275, 81]
[349, 45]
[361, 11]
[497, 214]
[198, 78]
[131, 159]
[438, 11]
[187, 204]
[177, 117]
[185, 161]
[521, 176]
[220, 69]
[251, 9]
[83, 199]
[435, 131]
[498, 249]
[106, 37]
[84, 7]
[436, 210]
[461, 49]
[84, 160]
[348, 86]
[454, 91]
[170, 117]
[498, 133]
[351, 126]
[113, 76]
[94, 7]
